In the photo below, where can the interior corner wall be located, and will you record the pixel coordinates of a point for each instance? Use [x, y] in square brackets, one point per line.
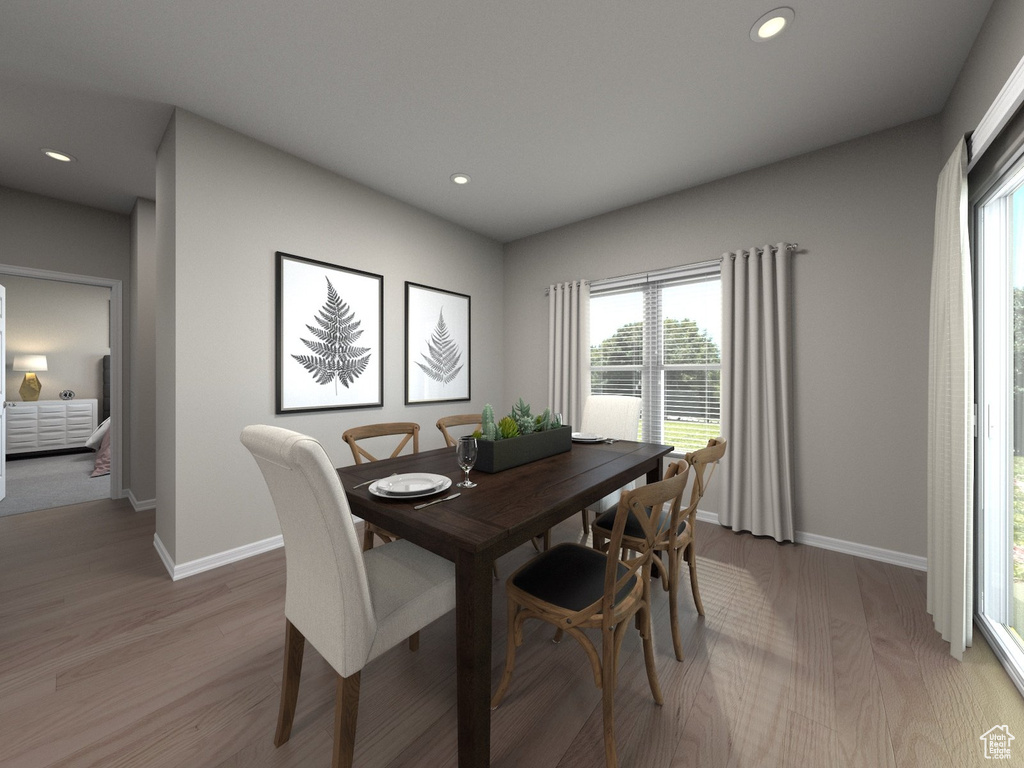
[165, 335]
[862, 213]
[236, 203]
[997, 50]
[140, 450]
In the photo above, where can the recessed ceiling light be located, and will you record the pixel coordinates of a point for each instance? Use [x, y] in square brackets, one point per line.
[63, 157]
[460, 178]
[771, 24]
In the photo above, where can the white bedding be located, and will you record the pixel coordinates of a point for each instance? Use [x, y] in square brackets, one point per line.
[97, 437]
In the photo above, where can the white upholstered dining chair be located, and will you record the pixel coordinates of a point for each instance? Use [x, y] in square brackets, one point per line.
[611, 416]
[351, 605]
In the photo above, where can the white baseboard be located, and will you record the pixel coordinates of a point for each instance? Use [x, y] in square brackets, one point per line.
[210, 562]
[810, 539]
[916, 562]
[139, 506]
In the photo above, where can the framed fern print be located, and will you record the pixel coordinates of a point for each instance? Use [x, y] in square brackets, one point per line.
[330, 336]
[436, 345]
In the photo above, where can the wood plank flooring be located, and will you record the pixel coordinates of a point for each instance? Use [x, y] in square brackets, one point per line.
[805, 658]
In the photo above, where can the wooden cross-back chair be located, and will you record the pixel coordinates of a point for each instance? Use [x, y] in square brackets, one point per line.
[459, 420]
[574, 588]
[676, 535]
[410, 430]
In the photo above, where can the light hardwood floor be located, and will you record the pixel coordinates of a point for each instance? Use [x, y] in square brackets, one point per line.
[805, 658]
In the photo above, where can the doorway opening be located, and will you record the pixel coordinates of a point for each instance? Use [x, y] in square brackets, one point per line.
[90, 397]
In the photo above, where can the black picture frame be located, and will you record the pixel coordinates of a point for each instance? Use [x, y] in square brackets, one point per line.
[316, 369]
[438, 354]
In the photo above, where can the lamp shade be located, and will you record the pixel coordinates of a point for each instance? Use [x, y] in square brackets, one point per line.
[29, 363]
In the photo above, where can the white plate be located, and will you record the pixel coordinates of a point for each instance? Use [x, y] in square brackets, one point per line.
[586, 437]
[411, 485]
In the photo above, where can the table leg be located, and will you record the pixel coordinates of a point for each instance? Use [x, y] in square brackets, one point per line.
[654, 474]
[473, 654]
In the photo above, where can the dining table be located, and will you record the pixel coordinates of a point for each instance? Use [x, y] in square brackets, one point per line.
[504, 510]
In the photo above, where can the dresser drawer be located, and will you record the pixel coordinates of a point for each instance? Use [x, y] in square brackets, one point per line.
[49, 425]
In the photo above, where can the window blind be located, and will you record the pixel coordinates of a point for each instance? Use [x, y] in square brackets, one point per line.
[657, 336]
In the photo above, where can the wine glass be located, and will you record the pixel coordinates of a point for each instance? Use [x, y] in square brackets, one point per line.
[465, 452]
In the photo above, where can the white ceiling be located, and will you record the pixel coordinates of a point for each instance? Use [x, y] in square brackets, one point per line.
[558, 109]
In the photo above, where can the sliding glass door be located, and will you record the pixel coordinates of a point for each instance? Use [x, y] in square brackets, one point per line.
[999, 239]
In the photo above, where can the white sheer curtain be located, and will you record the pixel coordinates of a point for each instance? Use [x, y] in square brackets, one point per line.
[756, 392]
[950, 402]
[569, 349]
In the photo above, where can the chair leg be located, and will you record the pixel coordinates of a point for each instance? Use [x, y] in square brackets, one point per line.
[586, 521]
[673, 601]
[647, 635]
[294, 644]
[691, 557]
[608, 695]
[510, 657]
[346, 709]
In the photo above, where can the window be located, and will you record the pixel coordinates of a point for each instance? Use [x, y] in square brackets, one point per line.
[996, 187]
[658, 337]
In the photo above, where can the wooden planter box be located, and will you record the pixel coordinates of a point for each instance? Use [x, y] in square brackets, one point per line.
[499, 455]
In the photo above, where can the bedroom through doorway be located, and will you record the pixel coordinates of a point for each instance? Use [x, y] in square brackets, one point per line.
[55, 451]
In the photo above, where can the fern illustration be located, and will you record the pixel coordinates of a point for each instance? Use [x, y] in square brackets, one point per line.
[442, 364]
[335, 357]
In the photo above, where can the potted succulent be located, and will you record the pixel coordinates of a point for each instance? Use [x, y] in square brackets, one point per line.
[519, 438]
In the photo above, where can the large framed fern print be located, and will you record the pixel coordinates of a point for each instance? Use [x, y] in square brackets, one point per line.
[436, 345]
[330, 336]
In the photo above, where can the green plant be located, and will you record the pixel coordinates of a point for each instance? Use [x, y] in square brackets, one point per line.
[508, 427]
[519, 421]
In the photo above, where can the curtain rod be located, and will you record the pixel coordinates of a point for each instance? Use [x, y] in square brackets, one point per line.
[646, 276]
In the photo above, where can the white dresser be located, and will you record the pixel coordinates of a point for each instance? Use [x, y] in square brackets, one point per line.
[49, 425]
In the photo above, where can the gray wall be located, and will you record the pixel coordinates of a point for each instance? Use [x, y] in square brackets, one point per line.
[67, 322]
[862, 213]
[141, 481]
[166, 334]
[997, 50]
[234, 203]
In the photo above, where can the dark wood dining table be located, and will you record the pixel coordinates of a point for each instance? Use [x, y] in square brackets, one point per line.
[503, 511]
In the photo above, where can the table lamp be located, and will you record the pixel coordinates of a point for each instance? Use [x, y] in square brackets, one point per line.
[31, 386]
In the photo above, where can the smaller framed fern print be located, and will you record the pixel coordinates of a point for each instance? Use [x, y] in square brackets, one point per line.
[330, 336]
[436, 345]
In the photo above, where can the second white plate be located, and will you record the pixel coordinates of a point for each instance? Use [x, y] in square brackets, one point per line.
[411, 485]
[586, 437]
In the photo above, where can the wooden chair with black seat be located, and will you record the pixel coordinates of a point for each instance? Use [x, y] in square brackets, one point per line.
[459, 420]
[410, 430]
[678, 545]
[616, 417]
[351, 605]
[574, 588]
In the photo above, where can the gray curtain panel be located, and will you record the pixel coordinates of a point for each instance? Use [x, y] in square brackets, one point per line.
[756, 392]
[569, 349]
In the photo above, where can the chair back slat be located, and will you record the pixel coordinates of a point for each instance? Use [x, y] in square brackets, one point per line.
[703, 462]
[327, 594]
[410, 430]
[458, 420]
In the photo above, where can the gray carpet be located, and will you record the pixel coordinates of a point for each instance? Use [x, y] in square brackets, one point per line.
[52, 481]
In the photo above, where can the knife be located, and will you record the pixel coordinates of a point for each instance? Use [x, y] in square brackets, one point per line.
[437, 501]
